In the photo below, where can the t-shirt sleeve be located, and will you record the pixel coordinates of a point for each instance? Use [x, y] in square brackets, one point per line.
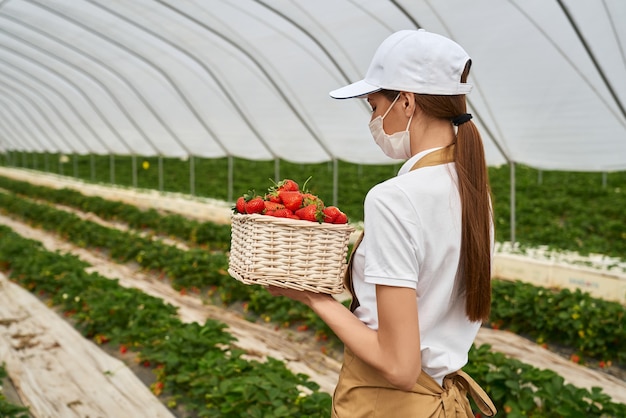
[392, 238]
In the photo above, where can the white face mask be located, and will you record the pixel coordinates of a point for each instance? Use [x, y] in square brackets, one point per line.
[397, 145]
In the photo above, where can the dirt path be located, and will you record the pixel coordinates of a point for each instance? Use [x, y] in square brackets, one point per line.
[57, 372]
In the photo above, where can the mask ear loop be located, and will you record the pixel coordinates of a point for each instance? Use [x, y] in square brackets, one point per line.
[409, 124]
[391, 105]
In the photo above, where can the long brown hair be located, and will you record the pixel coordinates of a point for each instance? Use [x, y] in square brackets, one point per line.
[474, 269]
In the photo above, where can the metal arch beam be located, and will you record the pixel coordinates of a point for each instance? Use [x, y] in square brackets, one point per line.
[69, 81]
[8, 123]
[29, 134]
[195, 59]
[614, 30]
[469, 101]
[59, 114]
[592, 56]
[316, 41]
[38, 108]
[79, 70]
[31, 114]
[261, 68]
[65, 99]
[120, 77]
[309, 35]
[109, 69]
[142, 59]
[573, 66]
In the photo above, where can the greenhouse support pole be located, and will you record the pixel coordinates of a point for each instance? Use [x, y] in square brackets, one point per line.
[112, 168]
[92, 167]
[160, 172]
[276, 170]
[513, 203]
[61, 171]
[24, 163]
[192, 176]
[46, 163]
[231, 169]
[604, 179]
[35, 164]
[335, 182]
[75, 163]
[134, 167]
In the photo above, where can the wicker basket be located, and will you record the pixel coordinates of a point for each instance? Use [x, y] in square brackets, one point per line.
[289, 253]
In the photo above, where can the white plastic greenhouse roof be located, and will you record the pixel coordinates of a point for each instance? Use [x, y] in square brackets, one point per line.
[250, 78]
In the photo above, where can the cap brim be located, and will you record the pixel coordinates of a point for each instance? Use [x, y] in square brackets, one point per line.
[357, 89]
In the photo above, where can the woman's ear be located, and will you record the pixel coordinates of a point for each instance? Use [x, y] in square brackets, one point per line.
[408, 103]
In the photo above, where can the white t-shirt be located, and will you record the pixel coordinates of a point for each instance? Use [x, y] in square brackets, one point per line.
[413, 239]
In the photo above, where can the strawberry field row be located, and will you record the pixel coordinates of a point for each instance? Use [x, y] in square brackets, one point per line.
[194, 363]
[565, 210]
[259, 300]
[595, 328]
[207, 235]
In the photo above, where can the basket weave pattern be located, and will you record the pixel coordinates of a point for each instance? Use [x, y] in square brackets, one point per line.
[289, 253]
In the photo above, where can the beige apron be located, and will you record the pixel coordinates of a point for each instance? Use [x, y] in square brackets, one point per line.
[363, 392]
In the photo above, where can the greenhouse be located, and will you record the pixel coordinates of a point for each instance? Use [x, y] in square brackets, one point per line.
[129, 129]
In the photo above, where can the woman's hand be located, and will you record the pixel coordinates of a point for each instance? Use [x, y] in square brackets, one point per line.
[303, 296]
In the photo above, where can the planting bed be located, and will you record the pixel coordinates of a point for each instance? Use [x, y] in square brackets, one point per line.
[57, 372]
[298, 350]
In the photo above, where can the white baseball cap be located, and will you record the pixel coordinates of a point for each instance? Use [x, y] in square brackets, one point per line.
[416, 61]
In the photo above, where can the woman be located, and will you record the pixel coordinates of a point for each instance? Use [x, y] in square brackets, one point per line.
[420, 278]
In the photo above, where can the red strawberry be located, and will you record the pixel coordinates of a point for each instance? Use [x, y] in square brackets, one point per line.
[311, 213]
[240, 206]
[291, 199]
[272, 206]
[288, 185]
[272, 195]
[255, 205]
[341, 218]
[311, 198]
[330, 213]
[283, 213]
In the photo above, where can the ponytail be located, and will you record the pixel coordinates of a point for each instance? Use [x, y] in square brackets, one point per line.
[473, 183]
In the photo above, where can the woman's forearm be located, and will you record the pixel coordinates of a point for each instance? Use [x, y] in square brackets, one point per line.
[392, 350]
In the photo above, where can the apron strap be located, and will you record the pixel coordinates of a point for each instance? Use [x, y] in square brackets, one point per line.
[477, 393]
[443, 155]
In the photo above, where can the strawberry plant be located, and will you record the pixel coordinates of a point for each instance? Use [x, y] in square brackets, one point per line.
[193, 373]
[208, 234]
[565, 210]
[518, 389]
[195, 363]
[197, 268]
[229, 291]
[593, 327]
